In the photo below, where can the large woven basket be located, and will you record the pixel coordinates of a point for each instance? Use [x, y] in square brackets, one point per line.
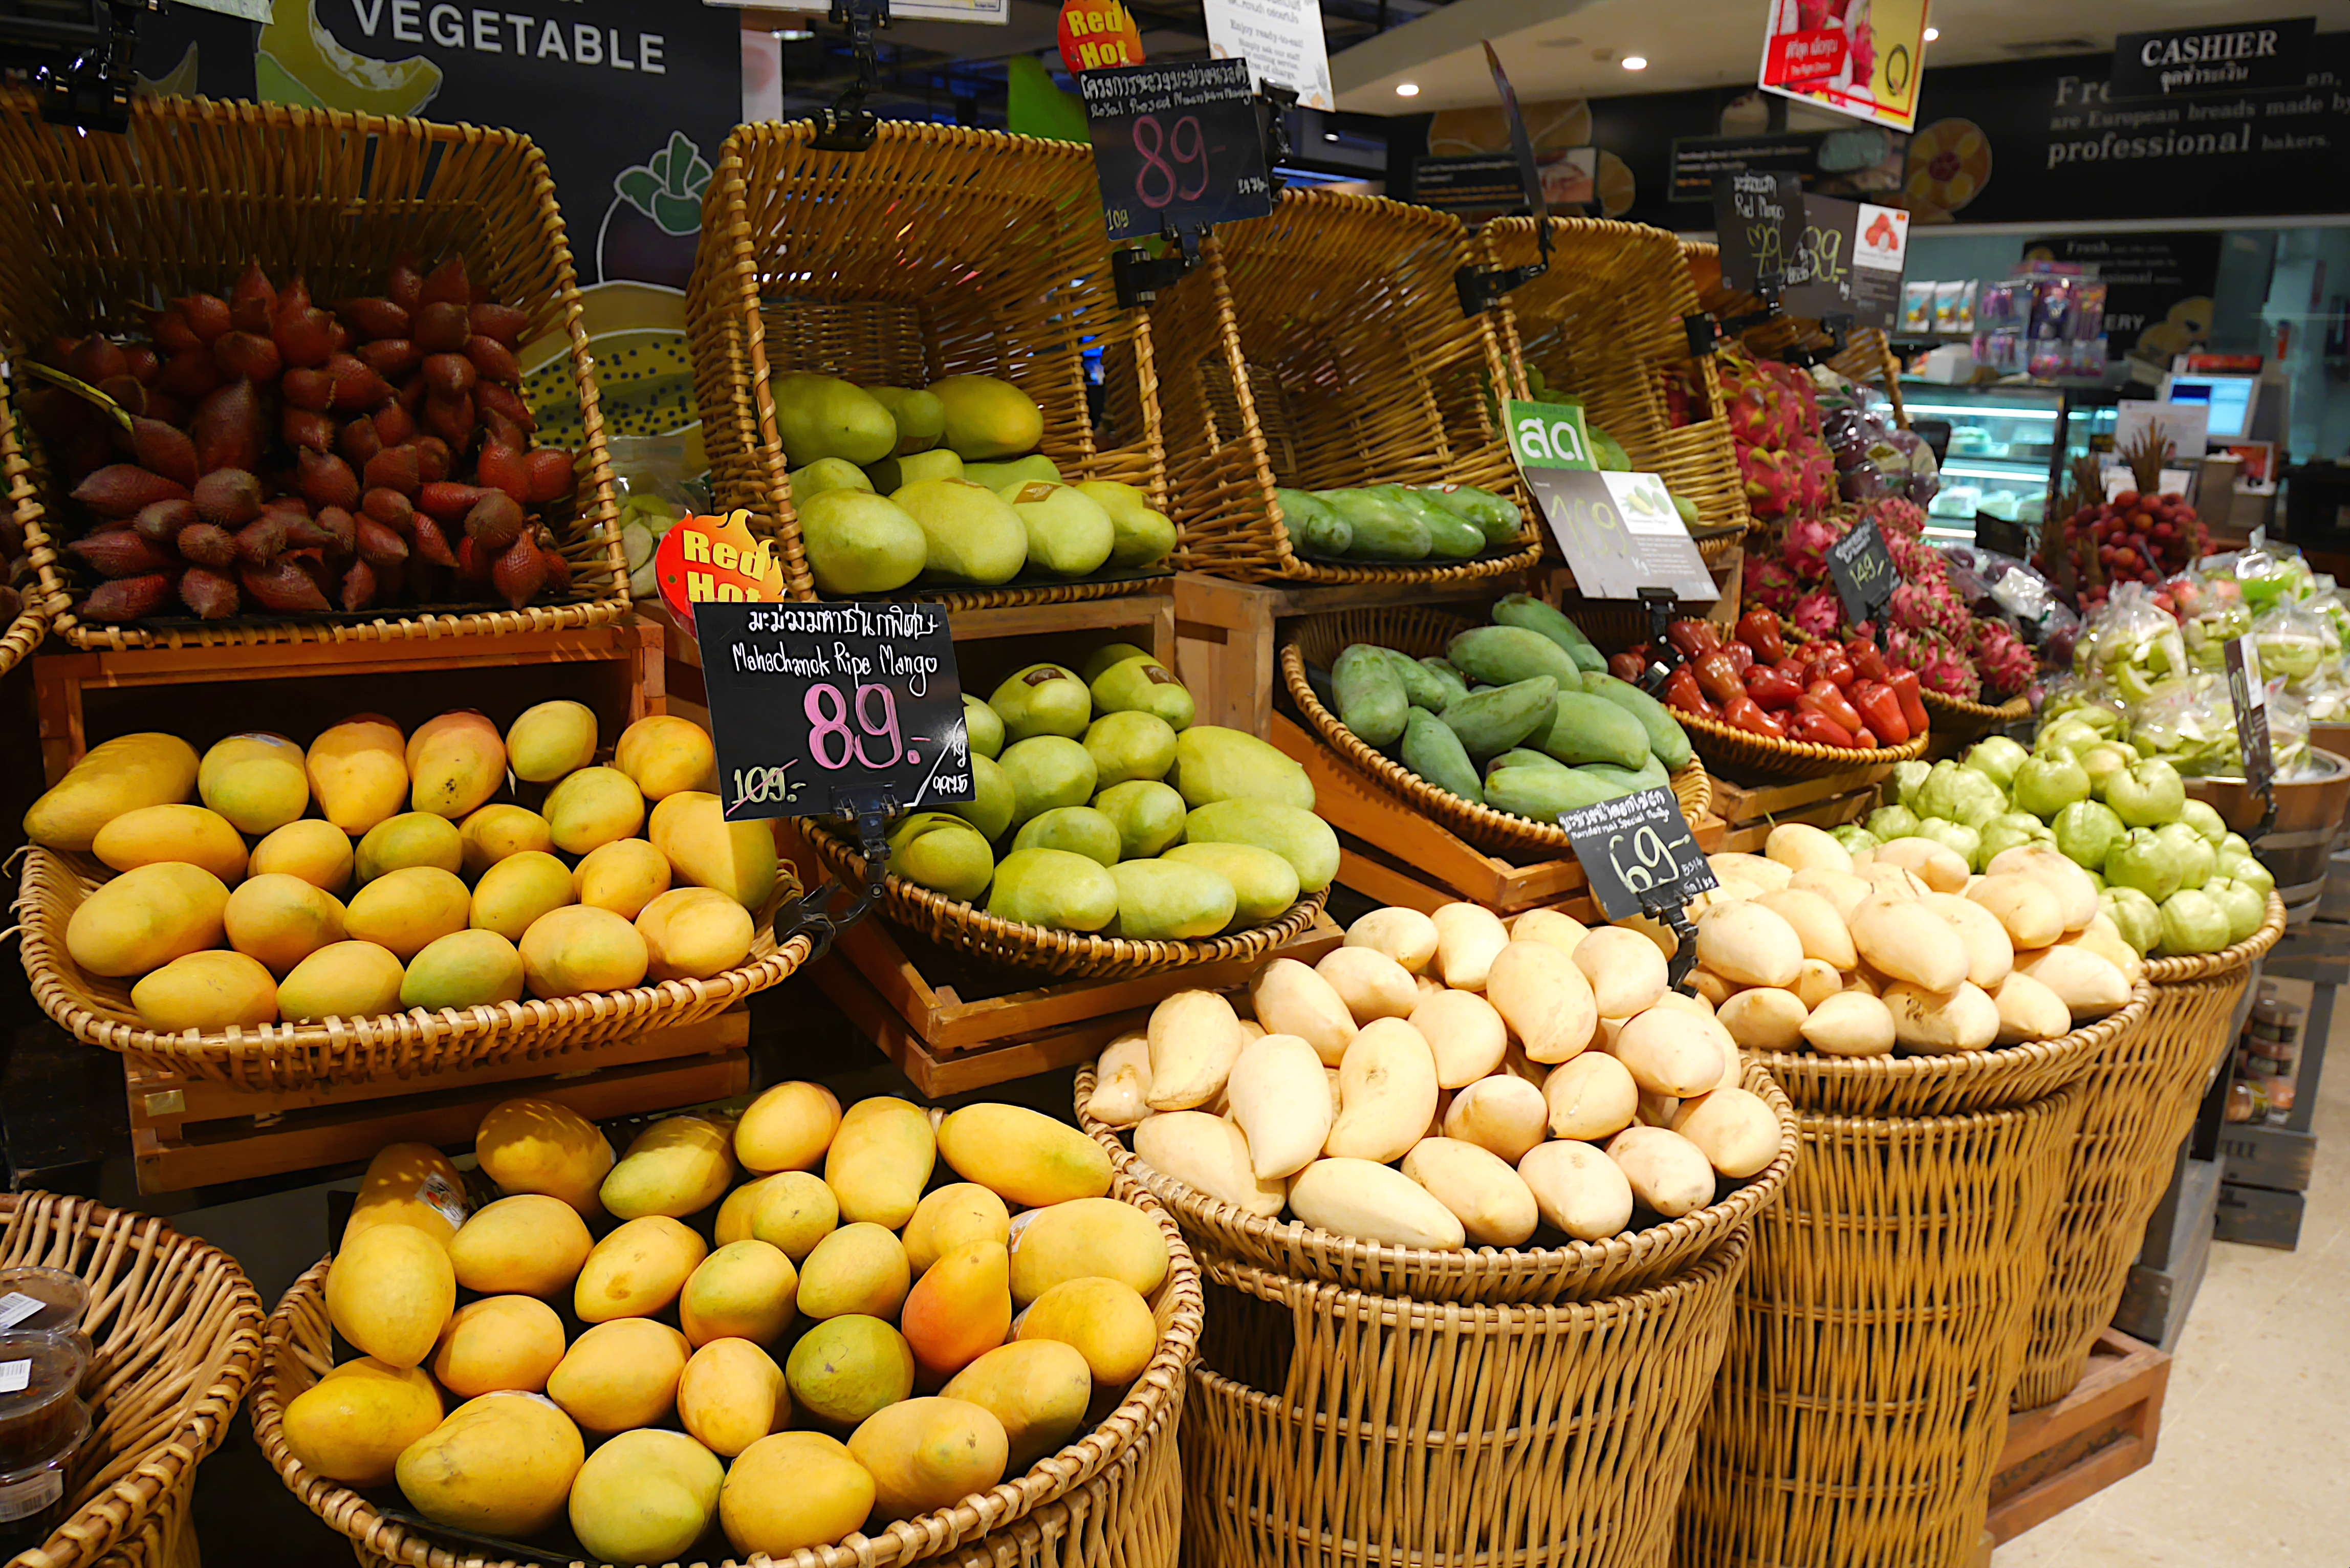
[21, 636]
[2138, 1101]
[1958, 724]
[1734, 751]
[176, 1329]
[1108, 1500]
[1330, 1426]
[938, 250]
[97, 1012]
[1866, 355]
[1319, 640]
[1577, 1271]
[103, 228]
[967, 928]
[1323, 348]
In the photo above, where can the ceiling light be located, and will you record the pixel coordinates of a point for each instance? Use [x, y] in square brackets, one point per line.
[1932, 33]
[1330, 136]
[1636, 62]
[1406, 90]
[794, 34]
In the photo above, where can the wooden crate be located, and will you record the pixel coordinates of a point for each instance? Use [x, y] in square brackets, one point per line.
[203, 694]
[186, 1132]
[2103, 1430]
[1749, 811]
[2258, 1217]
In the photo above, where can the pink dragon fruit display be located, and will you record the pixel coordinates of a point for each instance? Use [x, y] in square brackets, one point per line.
[1773, 415]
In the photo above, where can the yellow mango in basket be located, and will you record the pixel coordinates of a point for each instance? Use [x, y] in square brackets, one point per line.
[117, 776]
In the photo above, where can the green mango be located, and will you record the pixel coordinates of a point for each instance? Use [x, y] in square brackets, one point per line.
[1422, 688]
[823, 416]
[1054, 888]
[1042, 700]
[1432, 751]
[1143, 685]
[1214, 764]
[826, 473]
[920, 418]
[1109, 653]
[983, 726]
[1264, 885]
[992, 799]
[1449, 537]
[1502, 655]
[1530, 614]
[1367, 681]
[1148, 818]
[1590, 729]
[860, 543]
[1497, 517]
[1384, 529]
[1607, 452]
[1079, 829]
[1047, 770]
[1449, 683]
[969, 533]
[986, 418]
[1129, 745]
[1649, 775]
[1496, 719]
[941, 851]
[1069, 533]
[1300, 838]
[1003, 476]
[1519, 757]
[1314, 527]
[1140, 536]
[891, 474]
[1542, 794]
[1667, 741]
[1167, 900]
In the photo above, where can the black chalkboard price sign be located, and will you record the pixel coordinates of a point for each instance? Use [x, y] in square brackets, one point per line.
[1759, 215]
[1638, 852]
[1864, 572]
[818, 707]
[2250, 699]
[1176, 146]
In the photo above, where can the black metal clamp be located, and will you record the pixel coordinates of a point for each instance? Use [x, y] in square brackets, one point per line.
[1663, 656]
[867, 811]
[1482, 288]
[847, 126]
[1273, 103]
[1674, 913]
[1138, 275]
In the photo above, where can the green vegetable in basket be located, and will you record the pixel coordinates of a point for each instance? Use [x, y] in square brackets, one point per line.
[1451, 536]
[1497, 517]
[1383, 528]
[1313, 527]
[1369, 693]
[1432, 751]
[1530, 614]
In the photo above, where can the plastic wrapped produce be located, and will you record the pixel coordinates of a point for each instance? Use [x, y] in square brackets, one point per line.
[2192, 726]
[2132, 645]
[2295, 644]
[2212, 613]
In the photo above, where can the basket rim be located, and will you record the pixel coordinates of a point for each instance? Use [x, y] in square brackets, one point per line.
[25, 634]
[1473, 818]
[41, 939]
[1808, 752]
[1680, 1242]
[921, 907]
[204, 1417]
[2228, 960]
[1151, 1405]
[2018, 707]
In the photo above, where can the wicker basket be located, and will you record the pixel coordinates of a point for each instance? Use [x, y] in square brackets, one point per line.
[1329, 1426]
[1867, 356]
[1324, 348]
[1319, 640]
[21, 636]
[105, 227]
[967, 928]
[177, 1333]
[296, 1056]
[1958, 724]
[1108, 1500]
[938, 252]
[1576, 1272]
[1734, 751]
[2140, 1098]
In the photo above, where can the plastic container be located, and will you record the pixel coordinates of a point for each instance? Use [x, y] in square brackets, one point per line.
[33, 1494]
[42, 1301]
[40, 1402]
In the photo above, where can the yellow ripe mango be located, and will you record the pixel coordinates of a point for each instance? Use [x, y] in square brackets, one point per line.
[620, 1374]
[389, 1293]
[281, 921]
[1103, 1320]
[408, 910]
[517, 891]
[735, 1212]
[318, 852]
[664, 755]
[623, 877]
[1038, 1389]
[116, 776]
[945, 1219]
[677, 1166]
[1023, 1156]
[497, 1343]
[192, 834]
[593, 807]
[462, 969]
[207, 991]
[574, 950]
[844, 1368]
[526, 1245]
[795, 1211]
[257, 781]
[787, 1128]
[730, 1394]
[693, 933]
[645, 1497]
[859, 1269]
[637, 1271]
[537, 1146]
[500, 1464]
[960, 1310]
[550, 740]
[411, 838]
[1091, 1236]
[145, 917]
[411, 1184]
[744, 1290]
[495, 832]
[352, 1424]
[455, 762]
[880, 1160]
[358, 772]
[343, 979]
[793, 1489]
[927, 1454]
[738, 858]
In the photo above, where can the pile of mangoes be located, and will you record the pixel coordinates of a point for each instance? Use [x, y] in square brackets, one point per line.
[413, 885]
[945, 483]
[1398, 523]
[717, 1383]
[1521, 715]
[1101, 806]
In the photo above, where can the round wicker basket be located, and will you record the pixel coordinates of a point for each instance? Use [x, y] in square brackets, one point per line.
[1108, 1500]
[2138, 1101]
[97, 1012]
[1577, 1270]
[1424, 633]
[1767, 756]
[176, 1331]
[23, 636]
[953, 923]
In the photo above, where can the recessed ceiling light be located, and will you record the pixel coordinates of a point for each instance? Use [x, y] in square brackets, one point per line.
[1636, 62]
[1932, 33]
[1330, 136]
[1406, 90]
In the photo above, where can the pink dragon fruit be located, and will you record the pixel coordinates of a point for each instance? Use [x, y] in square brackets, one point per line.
[1770, 481]
[1818, 613]
[2005, 663]
[1773, 585]
[1894, 515]
[1750, 418]
[1929, 607]
[1916, 561]
[1807, 542]
[1940, 666]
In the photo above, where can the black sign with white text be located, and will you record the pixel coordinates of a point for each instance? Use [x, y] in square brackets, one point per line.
[1176, 146]
[1759, 215]
[2250, 701]
[1864, 572]
[1638, 852]
[2234, 55]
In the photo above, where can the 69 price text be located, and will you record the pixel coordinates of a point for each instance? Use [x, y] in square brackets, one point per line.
[1650, 860]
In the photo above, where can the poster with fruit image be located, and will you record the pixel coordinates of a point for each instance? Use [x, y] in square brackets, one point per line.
[1861, 58]
[1560, 129]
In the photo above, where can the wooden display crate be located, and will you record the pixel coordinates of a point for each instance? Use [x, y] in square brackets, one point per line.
[1749, 811]
[186, 1132]
[2062, 1453]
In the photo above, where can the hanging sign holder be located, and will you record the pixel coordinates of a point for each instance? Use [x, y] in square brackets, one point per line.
[1484, 288]
[1178, 148]
[847, 126]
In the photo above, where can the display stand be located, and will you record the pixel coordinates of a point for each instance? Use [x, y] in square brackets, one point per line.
[2065, 1453]
[2266, 1171]
[1749, 811]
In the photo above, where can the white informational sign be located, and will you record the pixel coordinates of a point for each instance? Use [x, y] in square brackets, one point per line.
[2187, 426]
[998, 12]
[2118, 478]
[1281, 40]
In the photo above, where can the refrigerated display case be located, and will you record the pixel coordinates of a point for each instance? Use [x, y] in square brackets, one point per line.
[2004, 452]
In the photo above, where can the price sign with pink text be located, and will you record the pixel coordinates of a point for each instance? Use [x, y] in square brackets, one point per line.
[1176, 146]
[810, 703]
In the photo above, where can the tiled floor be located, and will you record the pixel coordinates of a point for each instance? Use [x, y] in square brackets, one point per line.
[2254, 1434]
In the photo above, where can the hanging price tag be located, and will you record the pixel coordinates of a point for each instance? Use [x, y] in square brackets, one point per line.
[1759, 216]
[1864, 572]
[810, 700]
[1638, 852]
[1619, 532]
[2250, 697]
[1176, 146]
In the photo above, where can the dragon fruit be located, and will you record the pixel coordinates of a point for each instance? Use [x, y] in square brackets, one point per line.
[1916, 561]
[1940, 666]
[1807, 542]
[1895, 516]
[1773, 585]
[2005, 663]
[1928, 607]
[1771, 482]
[1752, 419]
[1818, 613]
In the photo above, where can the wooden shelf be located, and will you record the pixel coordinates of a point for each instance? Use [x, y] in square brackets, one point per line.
[2062, 1453]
